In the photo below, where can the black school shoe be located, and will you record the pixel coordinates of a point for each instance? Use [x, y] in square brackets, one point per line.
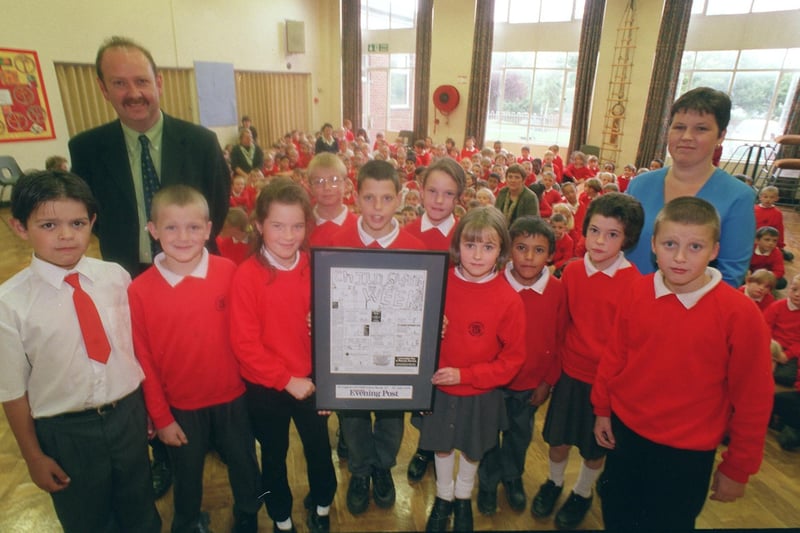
[383, 488]
[358, 494]
[462, 515]
[245, 523]
[487, 502]
[545, 500]
[573, 511]
[162, 478]
[515, 494]
[440, 515]
[316, 522]
[419, 465]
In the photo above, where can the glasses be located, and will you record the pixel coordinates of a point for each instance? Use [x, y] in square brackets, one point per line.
[333, 182]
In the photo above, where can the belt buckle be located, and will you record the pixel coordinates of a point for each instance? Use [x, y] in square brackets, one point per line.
[107, 408]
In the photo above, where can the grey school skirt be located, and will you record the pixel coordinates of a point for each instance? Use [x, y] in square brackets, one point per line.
[466, 423]
[570, 418]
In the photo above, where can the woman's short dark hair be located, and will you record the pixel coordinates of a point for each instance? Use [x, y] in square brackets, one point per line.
[705, 100]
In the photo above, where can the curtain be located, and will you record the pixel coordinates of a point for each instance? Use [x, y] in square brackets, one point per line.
[664, 81]
[85, 107]
[277, 103]
[351, 62]
[422, 68]
[591, 30]
[480, 76]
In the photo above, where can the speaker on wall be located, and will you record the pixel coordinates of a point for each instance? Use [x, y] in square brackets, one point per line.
[295, 37]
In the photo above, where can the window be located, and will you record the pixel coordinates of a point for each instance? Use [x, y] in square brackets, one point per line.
[388, 92]
[532, 11]
[741, 7]
[388, 14]
[760, 82]
[531, 96]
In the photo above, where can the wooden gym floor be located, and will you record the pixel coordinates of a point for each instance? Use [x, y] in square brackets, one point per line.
[771, 500]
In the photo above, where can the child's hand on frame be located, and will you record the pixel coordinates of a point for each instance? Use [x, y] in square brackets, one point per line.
[172, 435]
[447, 376]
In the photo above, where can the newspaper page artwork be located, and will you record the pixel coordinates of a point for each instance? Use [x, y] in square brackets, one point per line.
[376, 320]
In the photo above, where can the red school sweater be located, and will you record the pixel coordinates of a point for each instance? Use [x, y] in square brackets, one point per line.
[485, 335]
[682, 377]
[565, 250]
[545, 321]
[349, 238]
[322, 234]
[180, 335]
[592, 303]
[765, 302]
[772, 262]
[785, 327]
[431, 239]
[770, 216]
[269, 328]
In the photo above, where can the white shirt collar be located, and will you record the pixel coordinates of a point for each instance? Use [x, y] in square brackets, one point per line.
[538, 286]
[688, 299]
[338, 219]
[758, 252]
[611, 270]
[791, 306]
[384, 241]
[485, 279]
[54, 275]
[274, 261]
[200, 271]
[444, 226]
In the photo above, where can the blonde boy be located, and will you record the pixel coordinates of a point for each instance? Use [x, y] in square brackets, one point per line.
[193, 390]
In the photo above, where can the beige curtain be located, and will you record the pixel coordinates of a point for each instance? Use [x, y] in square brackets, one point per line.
[591, 29]
[85, 107]
[277, 103]
[351, 62]
[478, 101]
[664, 81]
[422, 68]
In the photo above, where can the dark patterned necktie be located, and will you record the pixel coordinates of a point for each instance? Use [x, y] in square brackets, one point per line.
[150, 180]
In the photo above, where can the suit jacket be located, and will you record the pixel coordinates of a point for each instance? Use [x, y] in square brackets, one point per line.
[527, 203]
[190, 155]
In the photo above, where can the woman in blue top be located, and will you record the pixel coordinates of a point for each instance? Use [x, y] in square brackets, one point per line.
[698, 122]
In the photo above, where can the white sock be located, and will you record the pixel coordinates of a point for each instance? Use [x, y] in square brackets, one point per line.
[466, 478]
[285, 525]
[444, 476]
[587, 477]
[557, 472]
[323, 511]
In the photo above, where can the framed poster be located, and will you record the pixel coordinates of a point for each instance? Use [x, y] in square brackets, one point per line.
[376, 327]
[24, 111]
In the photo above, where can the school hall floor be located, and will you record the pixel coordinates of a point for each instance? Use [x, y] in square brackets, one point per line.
[770, 502]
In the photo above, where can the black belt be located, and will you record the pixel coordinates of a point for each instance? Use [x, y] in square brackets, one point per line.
[100, 410]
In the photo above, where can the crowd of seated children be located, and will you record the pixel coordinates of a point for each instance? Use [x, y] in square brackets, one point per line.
[758, 286]
[767, 255]
[577, 170]
[783, 319]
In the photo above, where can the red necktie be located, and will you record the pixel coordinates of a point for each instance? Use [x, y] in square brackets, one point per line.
[94, 336]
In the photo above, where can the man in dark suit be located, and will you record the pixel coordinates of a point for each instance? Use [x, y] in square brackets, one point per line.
[109, 157]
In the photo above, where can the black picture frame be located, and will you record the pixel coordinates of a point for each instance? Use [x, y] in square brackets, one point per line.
[365, 301]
